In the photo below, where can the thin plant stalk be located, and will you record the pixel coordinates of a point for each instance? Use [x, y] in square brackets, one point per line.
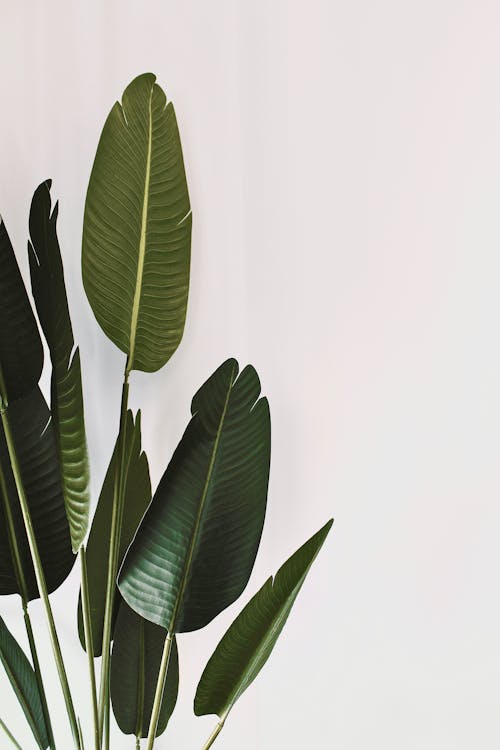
[214, 735]
[89, 646]
[23, 589]
[10, 735]
[37, 565]
[114, 544]
[160, 686]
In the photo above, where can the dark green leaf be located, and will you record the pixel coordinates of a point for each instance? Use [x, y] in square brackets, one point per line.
[21, 353]
[137, 496]
[135, 665]
[137, 228]
[47, 281]
[196, 546]
[37, 453]
[23, 680]
[248, 642]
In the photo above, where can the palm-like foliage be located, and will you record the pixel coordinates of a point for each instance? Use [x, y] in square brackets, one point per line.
[156, 566]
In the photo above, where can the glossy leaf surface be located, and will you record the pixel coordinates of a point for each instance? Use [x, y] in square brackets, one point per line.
[137, 496]
[23, 680]
[137, 228]
[21, 352]
[248, 642]
[36, 449]
[49, 291]
[135, 664]
[196, 546]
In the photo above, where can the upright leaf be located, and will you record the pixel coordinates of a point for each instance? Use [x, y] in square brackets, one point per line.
[137, 228]
[248, 643]
[23, 680]
[21, 352]
[137, 496]
[194, 551]
[37, 454]
[49, 290]
[135, 665]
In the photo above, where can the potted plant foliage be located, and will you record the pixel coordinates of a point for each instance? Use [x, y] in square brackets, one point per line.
[152, 564]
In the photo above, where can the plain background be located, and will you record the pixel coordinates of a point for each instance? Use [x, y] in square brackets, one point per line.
[344, 168]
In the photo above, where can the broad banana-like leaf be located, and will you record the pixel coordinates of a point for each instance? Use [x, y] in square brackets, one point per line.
[137, 496]
[23, 680]
[194, 551]
[49, 291]
[248, 642]
[137, 228]
[21, 352]
[135, 665]
[37, 454]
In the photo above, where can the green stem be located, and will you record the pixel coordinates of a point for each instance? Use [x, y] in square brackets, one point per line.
[114, 548]
[10, 735]
[160, 686]
[38, 675]
[89, 646]
[214, 735]
[37, 564]
[137, 743]
[23, 590]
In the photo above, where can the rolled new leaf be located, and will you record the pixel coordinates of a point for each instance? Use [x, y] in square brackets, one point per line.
[248, 642]
[194, 551]
[137, 228]
[36, 450]
[137, 496]
[49, 291]
[21, 352]
[135, 665]
[24, 683]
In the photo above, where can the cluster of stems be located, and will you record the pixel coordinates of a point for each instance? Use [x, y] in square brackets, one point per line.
[100, 704]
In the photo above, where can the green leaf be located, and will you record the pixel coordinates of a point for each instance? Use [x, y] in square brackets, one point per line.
[21, 352]
[248, 642]
[137, 496]
[193, 553]
[23, 680]
[49, 290]
[135, 665]
[137, 228]
[37, 454]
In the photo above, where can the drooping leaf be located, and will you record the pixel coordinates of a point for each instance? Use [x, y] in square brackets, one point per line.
[248, 642]
[49, 290]
[195, 548]
[137, 228]
[137, 496]
[21, 352]
[23, 680]
[37, 454]
[135, 665]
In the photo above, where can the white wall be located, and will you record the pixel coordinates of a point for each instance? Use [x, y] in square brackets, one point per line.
[344, 168]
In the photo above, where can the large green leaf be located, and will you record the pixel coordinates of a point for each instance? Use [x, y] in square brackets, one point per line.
[135, 665]
[137, 228]
[248, 643]
[47, 281]
[37, 454]
[21, 352]
[194, 551]
[137, 496]
[23, 680]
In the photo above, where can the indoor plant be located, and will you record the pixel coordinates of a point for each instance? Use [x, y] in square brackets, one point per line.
[175, 561]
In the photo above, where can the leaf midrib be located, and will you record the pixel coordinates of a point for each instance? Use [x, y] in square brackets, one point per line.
[262, 645]
[142, 243]
[194, 537]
